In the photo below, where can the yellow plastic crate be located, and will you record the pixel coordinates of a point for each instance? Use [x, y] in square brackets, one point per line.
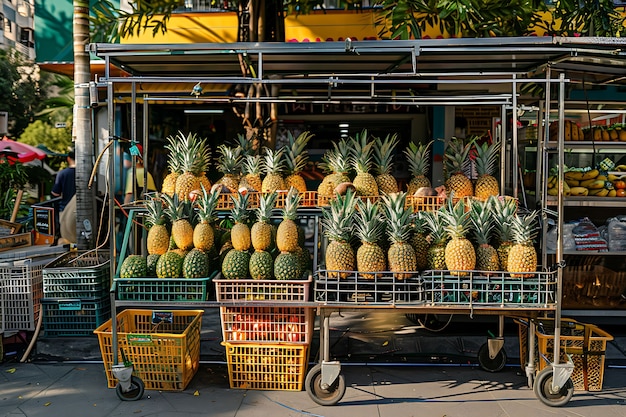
[164, 346]
[266, 366]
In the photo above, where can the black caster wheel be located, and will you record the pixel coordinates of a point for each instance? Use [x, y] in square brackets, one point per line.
[488, 364]
[136, 390]
[330, 396]
[543, 389]
[431, 322]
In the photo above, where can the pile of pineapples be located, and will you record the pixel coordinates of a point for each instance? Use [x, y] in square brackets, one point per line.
[377, 238]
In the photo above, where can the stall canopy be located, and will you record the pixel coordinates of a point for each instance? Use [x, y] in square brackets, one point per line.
[371, 71]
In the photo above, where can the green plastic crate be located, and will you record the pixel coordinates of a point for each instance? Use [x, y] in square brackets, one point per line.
[73, 317]
[82, 275]
[164, 289]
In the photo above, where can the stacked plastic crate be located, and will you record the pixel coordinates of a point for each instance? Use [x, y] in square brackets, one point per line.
[76, 294]
[267, 329]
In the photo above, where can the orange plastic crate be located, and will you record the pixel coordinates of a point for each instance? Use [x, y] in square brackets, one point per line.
[165, 356]
[266, 366]
[267, 324]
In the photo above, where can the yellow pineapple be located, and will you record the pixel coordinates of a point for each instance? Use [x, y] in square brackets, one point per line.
[179, 213]
[273, 166]
[383, 164]
[419, 241]
[251, 170]
[158, 238]
[262, 231]
[336, 163]
[418, 158]
[458, 185]
[502, 211]
[203, 234]
[287, 232]
[361, 160]
[195, 159]
[486, 157]
[229, 164]
[337, 224]
[173, 163]
[296, 160]
[240, 232]
[523, 255]
[401, 255]
[438, 239]
[370, 226]
[483, 227]
[460, 254]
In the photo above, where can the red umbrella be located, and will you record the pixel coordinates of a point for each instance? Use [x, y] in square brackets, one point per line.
[19, 151]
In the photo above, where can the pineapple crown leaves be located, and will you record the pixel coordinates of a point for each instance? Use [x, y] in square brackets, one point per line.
[524, 228]
[297, 156]
[398, 217]
[482, 222]
[292, 200]
[486, 157]
[267, 203]
[502, 210]
[239, 212]
[207, 204]
[418, 223]
[383, 154]
[273, 160]
[456, 156]
[433, 222]
[229, 159]
[418, 157]
[195, 154]
[361, 152]
[456, 219]
[370, 224]
[178, 210]
[338, 217]
[252, 164]
[155, 214]
[245, 145]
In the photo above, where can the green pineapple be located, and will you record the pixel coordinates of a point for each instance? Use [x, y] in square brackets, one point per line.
[383, 164]
[337, 224]
[502, 211]
[401, 255]
[296, 159]
[134, 266]
[483, 226]
[370, 226]
[273, 166]
[196, 264]
[261, 265]
[418, 158]
[170, 265]
[460, 253]
[151, 261]
[287, 266]
[438, 239]
[235, 264]
[419, 241]
[361, 160]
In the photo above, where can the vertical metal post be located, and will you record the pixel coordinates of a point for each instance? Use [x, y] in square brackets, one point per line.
[112, 208]
[515, 168]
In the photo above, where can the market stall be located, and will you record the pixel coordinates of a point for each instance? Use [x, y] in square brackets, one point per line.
[441, 73]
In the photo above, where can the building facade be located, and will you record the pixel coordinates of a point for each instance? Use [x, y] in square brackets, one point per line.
[17, 17]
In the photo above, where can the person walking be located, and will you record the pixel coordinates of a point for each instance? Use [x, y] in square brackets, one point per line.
[65, 182]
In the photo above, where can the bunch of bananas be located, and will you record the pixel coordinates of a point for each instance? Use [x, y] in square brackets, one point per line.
[583, 182]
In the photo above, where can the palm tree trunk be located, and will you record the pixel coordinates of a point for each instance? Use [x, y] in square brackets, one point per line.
[82, 125]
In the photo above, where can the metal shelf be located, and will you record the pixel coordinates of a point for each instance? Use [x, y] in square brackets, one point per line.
[588, 201]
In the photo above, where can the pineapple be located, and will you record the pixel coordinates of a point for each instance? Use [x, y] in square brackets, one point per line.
[196, 264]
[486, 157]
[401, 255]
[287, 233]
[262, 229]
[337, 162]
[361, 160]
[337, 224]
[194, 161]
[458, 185]
[169, 265]
[419, 241]
[370, 226]
[173, 163]
[179, 214]
[261, 265]
[483, 226]
[229, 164]
[418, 158]
[438, 239]
[273, 167]
[296, 160]
[502, 211]
[523, 255]
[251, 168]
[203, 234]
[235, 264]
[158, 238]
[134, 266]
[151, 261]
[460, 254]
[287, 266]
[383, 163]
[240, 232]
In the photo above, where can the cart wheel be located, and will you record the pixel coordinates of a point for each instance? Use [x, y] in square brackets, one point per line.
[330, 396]
[431, 322]
[136, 390]
[543, 389]
[491, 365]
